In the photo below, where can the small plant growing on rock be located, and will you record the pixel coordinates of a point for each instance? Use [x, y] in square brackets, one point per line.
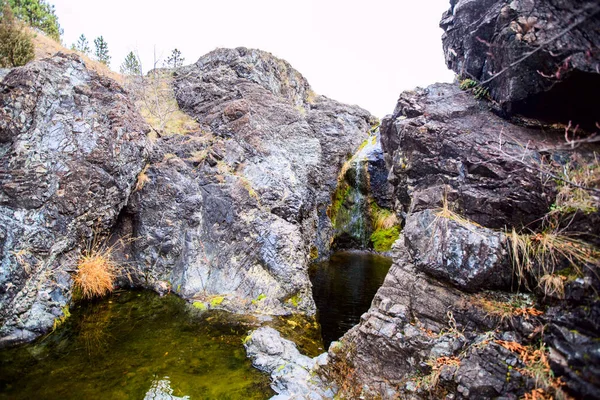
[574, 183]
[479, 91]
[386, 228]
[96, 271]
[541, 254]
[537, 366]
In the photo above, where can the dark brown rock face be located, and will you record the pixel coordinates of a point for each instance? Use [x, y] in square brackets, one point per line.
[235, 209]
[539, 58]
[71, 145]
[462, 175]
[441, 139]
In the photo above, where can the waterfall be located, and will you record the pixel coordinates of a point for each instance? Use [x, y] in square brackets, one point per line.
[351, 202]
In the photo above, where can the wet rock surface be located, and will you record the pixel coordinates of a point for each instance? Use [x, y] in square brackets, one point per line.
[293, 374]
[237, 208]
[530, 54]
[71, 145]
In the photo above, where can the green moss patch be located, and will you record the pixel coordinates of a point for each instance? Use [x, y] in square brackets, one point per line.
[383, 239]
[216, 301]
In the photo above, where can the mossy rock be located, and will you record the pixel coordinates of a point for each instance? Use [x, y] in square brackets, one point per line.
[383, 239]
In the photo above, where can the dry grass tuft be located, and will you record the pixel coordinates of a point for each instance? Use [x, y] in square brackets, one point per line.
[541, 254]
[96, 272]
[447, 213]
[553, 285]
[384, 219]
[573, 196]
[142, 178]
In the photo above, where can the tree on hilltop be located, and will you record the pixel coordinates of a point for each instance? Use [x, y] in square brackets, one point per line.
[131, 65]
[175, 59]
[38, 14]
[16, 47]
[82, 45]
[101, 51]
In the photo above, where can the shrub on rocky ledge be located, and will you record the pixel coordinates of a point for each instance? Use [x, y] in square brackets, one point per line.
[16, 47]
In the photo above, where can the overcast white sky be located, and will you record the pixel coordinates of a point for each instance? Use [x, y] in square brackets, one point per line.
[358, 52]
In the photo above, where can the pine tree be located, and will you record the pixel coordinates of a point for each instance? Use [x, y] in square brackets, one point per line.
[16, 47]
[101, 51]
[82, 45]
[175, 59]
[39, 14]
[131, 65]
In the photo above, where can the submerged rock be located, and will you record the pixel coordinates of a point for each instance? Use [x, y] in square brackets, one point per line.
[71, 145]
[293, 374]
[237, 209]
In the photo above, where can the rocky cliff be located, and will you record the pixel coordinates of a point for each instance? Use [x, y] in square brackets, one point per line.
[538, 58]
[236, 208]
[71, 146]
[493, 291]
[232, 211]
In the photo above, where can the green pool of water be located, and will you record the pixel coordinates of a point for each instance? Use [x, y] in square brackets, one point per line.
[136, 345]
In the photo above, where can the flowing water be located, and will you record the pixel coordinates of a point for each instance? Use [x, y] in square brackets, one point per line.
[135, 345]
[343, 288]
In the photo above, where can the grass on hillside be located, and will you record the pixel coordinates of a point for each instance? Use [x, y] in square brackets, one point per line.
[157, 102]
[45, 47]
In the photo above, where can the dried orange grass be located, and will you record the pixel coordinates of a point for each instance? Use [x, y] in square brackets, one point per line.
[96, 273]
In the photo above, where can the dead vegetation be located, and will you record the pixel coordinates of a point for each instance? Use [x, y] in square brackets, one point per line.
[537, 367]
[505, 310]
[96, 271]
[342, 372]
[45, 47]
[541, 255]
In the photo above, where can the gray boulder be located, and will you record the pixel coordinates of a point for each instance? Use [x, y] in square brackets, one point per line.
[71, 146]
[468, 256]
[293, 374]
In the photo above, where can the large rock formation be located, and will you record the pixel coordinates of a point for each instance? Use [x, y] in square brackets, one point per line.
[233, 210]
[464, 178]
[538, 58]
[236, 208]
[71, 145]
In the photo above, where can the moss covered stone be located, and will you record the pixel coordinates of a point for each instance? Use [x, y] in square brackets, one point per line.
[383, 239]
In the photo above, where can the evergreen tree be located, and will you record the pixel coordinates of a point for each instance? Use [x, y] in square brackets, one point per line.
[82, 45]
[131, 65]
[101, 51]
[16, 47]
[175, 59]
[39, 14]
